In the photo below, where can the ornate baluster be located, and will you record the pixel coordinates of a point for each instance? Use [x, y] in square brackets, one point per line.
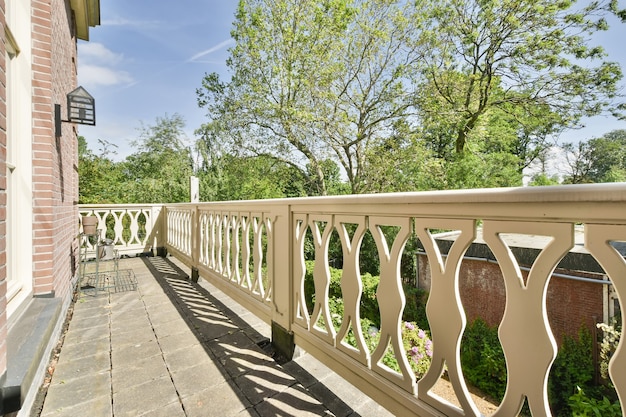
[598, 240]
[184, 231]
[202, 223]
[525, 326]
[212, 226]
[245, 252]
[391, 300]
[321, 277]
[352, 287]
[219, 242]
[300, 227]
[269, 229]
[118, 227]
[257, 255]
[235, 223]
[444, 311]
[228, 241]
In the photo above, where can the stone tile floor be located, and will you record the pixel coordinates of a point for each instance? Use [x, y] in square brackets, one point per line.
[171, 347]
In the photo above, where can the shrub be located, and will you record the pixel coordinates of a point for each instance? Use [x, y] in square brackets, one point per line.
[369, 303]
[604, 401]
[482, 359]
[572, 368]
[418, 349]
[610, 339]
[415, 308]
[583, 406]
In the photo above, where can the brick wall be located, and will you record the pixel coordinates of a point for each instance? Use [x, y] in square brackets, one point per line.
[570, 303]
[3, 158]
[54, 159]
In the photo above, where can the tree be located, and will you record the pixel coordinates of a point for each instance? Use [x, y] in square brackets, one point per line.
[597, 160]
[402, 162]
[608, 154]
[370, 90]
[98, 175]
[541, 179]
[159, 171]
[316, 80]
[279, 56]
[529, 59]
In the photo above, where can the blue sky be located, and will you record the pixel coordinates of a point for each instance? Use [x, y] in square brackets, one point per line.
[147, 58]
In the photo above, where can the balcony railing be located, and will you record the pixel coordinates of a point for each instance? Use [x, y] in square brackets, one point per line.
[133, 227]
[255, 252]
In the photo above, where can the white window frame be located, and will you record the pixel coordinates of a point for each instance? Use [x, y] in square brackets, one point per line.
[19, 208]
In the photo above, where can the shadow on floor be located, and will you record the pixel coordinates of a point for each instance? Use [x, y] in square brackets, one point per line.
[243, 354]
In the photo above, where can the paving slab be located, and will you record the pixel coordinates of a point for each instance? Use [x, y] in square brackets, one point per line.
[148, 396]
[172, 347]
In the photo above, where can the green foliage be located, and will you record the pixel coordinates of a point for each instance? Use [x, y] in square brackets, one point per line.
[536, 46]
[572, 368]
[401, 162]
[597, 160]
[242, 178]
[313, 80]
[418, 349]
[583, 406]
[99, 178]
[159, 171]
[483, 360]
[415, 307]
[571, 387]
[543, 180]
[417, 344]
[369, 304]
[482, 171]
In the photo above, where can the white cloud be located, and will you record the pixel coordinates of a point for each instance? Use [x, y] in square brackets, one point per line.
[94, 75]
[97, 52]
[97, 66]
[120, 21]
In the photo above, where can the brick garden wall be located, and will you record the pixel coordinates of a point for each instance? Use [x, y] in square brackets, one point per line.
[570, 303]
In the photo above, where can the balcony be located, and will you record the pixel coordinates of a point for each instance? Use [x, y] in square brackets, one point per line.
[254, 253]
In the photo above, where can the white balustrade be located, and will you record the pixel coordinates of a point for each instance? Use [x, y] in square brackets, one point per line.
[255, 251]
[131, 227]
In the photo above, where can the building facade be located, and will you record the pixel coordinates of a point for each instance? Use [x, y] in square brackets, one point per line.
[38, 185]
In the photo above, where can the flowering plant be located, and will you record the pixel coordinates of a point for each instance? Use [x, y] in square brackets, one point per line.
[418, 347]
[610, 339]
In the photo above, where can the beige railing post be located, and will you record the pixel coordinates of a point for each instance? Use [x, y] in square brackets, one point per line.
[195, 242]
[157, 216]
[280, 261]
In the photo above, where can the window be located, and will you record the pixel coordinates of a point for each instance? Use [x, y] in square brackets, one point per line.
[18, 58]
[12, 51]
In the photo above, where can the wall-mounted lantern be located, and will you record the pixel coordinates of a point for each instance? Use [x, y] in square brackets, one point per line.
[81, 108]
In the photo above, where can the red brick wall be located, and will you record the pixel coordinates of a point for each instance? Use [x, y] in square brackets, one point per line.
[55, 182]
[481, 286]
[3, 187]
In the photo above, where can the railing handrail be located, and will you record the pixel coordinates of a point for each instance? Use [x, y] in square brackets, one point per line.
[605, 192]
[253, 250]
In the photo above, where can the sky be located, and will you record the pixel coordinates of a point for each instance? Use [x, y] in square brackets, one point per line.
[146, 60]
[148, 57]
